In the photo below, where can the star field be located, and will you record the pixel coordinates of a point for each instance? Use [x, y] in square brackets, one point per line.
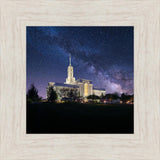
[101, 54]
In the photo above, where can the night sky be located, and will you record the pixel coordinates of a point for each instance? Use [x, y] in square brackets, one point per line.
[101, 54]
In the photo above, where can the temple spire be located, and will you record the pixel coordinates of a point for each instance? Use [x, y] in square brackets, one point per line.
[70, 79]
[70, 59]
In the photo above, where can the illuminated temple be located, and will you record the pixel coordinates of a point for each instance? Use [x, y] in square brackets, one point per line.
[83, 86]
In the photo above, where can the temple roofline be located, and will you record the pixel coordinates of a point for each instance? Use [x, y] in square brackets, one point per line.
[102, 89]
[65, 85]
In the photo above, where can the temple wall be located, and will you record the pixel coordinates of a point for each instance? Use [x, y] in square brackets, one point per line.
[99, 92]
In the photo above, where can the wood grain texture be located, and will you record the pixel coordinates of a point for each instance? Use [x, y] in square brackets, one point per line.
[15, 15]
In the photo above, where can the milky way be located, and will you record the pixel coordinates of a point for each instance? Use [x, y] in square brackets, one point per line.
[101, 54]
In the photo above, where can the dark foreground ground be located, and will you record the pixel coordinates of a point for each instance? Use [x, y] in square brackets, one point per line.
[79, 118]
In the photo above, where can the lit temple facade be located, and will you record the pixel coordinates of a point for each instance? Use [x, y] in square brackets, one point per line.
[83, 87]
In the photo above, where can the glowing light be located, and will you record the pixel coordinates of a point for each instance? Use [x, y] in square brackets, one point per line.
[86, 89]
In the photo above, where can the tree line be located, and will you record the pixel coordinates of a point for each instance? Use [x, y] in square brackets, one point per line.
[32, 95]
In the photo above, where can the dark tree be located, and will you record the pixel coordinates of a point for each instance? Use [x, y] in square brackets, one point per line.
[70, 93]
[126, 98]
[52, 95]
[102, 96]
[64, 92]
[112, 96]
[73, 93]
[93, 97]
[32, 94]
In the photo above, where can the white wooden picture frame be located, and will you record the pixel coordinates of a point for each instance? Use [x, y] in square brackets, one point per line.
[144, 144]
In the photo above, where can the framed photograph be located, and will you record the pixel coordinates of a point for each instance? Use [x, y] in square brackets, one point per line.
[79, 80]
[100, 102]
